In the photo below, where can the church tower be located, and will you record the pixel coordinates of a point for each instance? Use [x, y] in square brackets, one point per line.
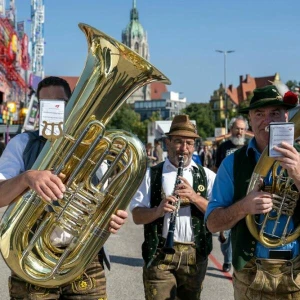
[135, 37]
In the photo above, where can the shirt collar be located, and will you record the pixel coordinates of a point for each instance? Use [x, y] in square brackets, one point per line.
[252, 145]
[171, 167]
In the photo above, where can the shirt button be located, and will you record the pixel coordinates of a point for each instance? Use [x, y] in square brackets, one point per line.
[252, 249]
[253, 242]
[251, 254]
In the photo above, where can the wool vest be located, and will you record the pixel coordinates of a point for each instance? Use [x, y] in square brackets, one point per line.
[153, 231]
[243, 243]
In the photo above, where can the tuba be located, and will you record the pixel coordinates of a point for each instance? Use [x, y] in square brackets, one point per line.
[285, 199]
[111, 74]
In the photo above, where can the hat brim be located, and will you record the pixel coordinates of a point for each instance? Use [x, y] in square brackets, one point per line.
[183, 133]
[259, 104]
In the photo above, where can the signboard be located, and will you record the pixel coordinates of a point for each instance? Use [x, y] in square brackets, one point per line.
[31, 120]
[219, 131]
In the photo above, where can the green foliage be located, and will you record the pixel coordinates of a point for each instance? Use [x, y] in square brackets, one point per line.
[127, 119]
[203, 115]
[292, 84]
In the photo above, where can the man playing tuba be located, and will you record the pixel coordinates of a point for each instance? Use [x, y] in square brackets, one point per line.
[16, 177]
[260, 272]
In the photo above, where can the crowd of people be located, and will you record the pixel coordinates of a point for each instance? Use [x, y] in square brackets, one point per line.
[187, 199]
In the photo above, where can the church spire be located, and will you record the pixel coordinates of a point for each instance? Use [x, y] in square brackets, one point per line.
[134, 15]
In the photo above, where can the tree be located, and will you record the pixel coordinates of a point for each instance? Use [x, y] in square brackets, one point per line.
[292, 84]
[246, 102]
[127, 119]
[203, 115]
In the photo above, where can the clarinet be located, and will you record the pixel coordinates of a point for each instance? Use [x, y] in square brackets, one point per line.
[168, 247]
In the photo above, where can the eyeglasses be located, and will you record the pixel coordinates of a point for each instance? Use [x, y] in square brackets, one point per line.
[180, 142]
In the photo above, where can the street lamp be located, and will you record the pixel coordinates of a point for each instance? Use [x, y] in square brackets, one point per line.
[225, 94]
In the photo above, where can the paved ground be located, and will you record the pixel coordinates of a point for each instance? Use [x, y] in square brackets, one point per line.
[125, 277]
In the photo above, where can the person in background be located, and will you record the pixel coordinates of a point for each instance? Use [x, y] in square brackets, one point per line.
[16, 177]
[206, 157]
[196, 158]
[151, 160]
[214, 154]
[158, 152]
[237, 126]
[179, 275]
[260, 271]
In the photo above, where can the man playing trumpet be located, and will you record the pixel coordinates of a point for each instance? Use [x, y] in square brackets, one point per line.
[179, 275]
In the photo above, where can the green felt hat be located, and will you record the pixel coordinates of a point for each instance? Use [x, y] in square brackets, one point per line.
[269, 96]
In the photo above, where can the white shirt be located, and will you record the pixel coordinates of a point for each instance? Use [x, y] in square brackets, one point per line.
[183, 229]
[11, 160]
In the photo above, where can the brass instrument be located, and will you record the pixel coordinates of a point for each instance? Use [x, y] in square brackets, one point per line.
[111, 74]
[168, 247]
[284, 199]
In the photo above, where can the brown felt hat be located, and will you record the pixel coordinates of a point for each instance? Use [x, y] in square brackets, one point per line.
[181, 125]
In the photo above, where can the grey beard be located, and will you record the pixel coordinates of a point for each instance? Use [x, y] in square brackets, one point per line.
[238, 141]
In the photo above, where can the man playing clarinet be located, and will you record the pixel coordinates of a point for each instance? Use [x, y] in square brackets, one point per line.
[176, 274]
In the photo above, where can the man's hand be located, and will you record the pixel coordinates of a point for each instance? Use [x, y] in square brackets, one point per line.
[184, 190]
[117, 220]
[166, 205]
[290, 161]
[45, 184]
[257, 201]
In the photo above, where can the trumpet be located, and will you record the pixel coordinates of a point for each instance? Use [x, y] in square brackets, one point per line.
[168, 247]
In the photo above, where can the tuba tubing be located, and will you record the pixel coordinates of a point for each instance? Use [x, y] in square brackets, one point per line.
[112, 73]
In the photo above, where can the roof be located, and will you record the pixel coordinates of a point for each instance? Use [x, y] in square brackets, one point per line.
[247, 85]
[157, 88]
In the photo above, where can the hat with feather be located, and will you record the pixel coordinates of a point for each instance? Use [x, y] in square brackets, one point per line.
[270, 96]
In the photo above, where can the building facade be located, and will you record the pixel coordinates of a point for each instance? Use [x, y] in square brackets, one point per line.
[167, 107]
[237, 96]
[14, 63]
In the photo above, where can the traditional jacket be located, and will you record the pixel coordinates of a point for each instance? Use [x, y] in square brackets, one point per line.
[153, 231]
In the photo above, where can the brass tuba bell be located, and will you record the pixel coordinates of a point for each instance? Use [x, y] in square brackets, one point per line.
[111, 74]
[285, 199]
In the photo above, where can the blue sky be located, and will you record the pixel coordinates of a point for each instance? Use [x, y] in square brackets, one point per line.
[183, 36]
